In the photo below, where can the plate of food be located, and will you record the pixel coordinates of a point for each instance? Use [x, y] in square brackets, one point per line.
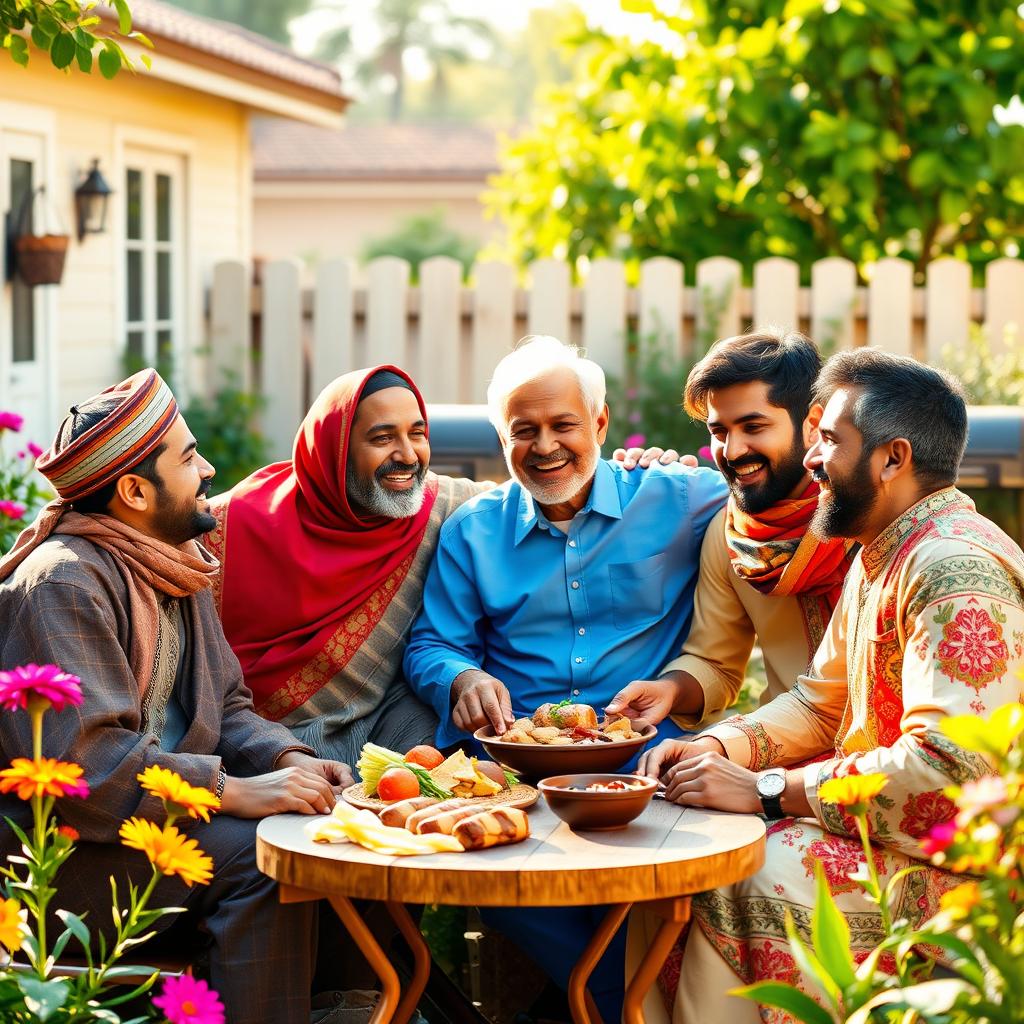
[567, 738]
[423, 777]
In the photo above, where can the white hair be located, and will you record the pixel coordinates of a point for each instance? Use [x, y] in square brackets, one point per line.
[533, 358]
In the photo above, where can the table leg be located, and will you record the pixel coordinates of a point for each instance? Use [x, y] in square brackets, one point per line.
[581, 1004]
[675, 913]
[421, 961]
[387, 1005]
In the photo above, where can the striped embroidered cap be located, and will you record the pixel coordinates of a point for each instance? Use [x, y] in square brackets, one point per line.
[143, 410]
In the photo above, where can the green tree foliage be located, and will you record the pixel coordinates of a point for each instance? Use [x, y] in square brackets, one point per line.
[71, 32]
[269, 18]
[801, 128]
[418, 238]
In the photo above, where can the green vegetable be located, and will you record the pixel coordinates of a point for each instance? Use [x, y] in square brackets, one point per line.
[511, 779]
[374, 761]
[553, 713]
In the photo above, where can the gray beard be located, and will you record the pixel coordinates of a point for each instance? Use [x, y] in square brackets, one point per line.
[374, 500]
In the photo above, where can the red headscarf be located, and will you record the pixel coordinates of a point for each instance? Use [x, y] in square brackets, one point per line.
[305, 579]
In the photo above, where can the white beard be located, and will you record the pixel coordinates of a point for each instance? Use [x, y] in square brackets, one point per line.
[376, 501]
[557, 493]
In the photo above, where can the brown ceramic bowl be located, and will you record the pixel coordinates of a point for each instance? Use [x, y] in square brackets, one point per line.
[535, 760]
[600, 810]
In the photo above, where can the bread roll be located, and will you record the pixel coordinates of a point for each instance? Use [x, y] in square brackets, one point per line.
[428, 812]
[396, 815]
[492, 828]
[444, 822]
[565, 717]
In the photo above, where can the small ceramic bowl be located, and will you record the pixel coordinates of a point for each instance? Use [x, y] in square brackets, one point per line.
[596, 810]
[536, 760]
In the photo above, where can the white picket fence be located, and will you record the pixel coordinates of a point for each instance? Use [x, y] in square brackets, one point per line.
[290, 341]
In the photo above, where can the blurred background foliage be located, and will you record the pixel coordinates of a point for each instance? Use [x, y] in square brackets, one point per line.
[418, 238]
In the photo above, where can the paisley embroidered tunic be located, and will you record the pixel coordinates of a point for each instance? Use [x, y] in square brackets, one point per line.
[931, 623]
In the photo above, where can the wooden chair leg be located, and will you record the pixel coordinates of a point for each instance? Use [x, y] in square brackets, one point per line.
[390, 990]
[581, 1003]
[421, 961]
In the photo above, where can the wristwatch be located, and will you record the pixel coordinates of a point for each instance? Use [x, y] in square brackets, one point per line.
[770, 787]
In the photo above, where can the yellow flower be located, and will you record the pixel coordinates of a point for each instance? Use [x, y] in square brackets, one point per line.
[173, 789]
[12, 924]
[960, 901]
[852, 790]
[168, 850]
[45, 777]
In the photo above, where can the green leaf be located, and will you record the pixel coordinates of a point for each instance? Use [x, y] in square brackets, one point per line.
[925, 169]
[76, 926]
[792, 1000]
[43, 998]
[881, 61]
[62, 50]
[853, 62]
[930, 999]
[40, 37]
[809, 964]
[19, 50]
[110, 63]
[84, 57]
[952, 205]
[124, 16]
[830, 934]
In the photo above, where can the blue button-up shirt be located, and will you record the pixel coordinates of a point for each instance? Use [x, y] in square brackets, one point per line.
[556, 615]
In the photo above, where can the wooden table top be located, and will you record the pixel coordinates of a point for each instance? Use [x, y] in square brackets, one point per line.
[668, 851]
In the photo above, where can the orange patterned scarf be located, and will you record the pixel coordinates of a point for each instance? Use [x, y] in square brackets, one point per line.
[776, 554]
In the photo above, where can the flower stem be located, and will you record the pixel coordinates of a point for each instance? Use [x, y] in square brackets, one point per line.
[883, 902]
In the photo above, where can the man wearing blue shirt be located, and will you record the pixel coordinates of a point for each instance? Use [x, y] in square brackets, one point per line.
[568, 581]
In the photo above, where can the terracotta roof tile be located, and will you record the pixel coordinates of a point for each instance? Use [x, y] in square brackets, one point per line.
[290, 150]
[233, 44]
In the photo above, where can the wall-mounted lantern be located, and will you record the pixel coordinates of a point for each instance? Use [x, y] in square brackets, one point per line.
[91, 203]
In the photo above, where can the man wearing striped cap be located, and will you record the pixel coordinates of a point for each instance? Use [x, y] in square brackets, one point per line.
[110, 584]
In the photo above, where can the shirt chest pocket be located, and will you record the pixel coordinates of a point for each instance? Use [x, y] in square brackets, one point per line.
[638, 591]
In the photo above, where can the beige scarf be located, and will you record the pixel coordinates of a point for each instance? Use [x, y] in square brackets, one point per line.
[146, 565]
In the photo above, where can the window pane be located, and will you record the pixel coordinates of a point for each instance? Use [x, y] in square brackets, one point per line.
[23, 308]
[163, 208]
[163, 286]
[133, 198]
[136, 349]
[133, 301]
[164, 352]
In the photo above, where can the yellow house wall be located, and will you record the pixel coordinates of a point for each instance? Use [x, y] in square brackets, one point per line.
[96, 118]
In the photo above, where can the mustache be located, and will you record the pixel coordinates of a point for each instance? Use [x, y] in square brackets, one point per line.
[819, 476]
[204, 488]
[750, 460]
[417, 468]
[561, 455]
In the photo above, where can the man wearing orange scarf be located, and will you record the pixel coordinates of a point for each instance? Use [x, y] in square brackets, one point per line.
[110, 584]
[763, 576]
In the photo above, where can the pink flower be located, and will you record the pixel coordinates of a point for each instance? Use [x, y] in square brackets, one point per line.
[939, 839]
[39, 682]
[34, 450]
[11, 421]
[635, 441]
[705, 453]
[12, 509]
[188, 1000]
[984, 794]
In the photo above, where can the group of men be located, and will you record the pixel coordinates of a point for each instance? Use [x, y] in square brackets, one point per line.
[254, 643]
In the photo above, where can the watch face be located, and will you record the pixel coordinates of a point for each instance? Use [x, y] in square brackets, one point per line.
[771, 784]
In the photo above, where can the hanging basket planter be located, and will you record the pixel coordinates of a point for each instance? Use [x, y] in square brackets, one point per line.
[39, 259]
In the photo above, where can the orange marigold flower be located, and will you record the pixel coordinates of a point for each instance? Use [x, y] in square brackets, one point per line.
[168, 850]
[12, 924]
[68, 833]
[45, 777]
[173, 789]
[852, 790]
[960, 901]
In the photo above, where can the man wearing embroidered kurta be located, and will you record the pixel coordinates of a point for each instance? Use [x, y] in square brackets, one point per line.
[930, 624]
[763, 575]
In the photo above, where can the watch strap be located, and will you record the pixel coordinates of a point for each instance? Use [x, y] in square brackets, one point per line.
[771, 806]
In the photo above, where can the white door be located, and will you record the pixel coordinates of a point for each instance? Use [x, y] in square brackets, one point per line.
[25, 313]
[153, 194]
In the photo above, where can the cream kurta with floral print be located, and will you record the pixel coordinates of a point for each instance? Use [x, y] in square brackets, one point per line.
[931, 624]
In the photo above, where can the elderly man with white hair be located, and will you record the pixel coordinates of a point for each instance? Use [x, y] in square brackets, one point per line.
[568, 581]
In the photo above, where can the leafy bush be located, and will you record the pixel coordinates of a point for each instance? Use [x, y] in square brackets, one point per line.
[419, 237]
[21, 490]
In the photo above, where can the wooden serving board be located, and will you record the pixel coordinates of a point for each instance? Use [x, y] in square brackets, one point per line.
[520, 795]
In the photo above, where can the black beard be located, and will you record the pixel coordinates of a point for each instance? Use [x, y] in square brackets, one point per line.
[845, 511]
[780, 481]
[178, 524]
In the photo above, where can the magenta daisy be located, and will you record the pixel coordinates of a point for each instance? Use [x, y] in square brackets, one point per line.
[39, 682]
[188, 1000]
[12, 509]
[34, 450]
[11, 421]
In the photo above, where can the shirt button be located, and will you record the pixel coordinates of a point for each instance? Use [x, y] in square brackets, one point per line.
[575, 584]
[579, 661]
[575, 693]
[572, 543]
[582, 631]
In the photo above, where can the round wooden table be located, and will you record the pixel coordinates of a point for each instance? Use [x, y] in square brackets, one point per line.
[659, 861]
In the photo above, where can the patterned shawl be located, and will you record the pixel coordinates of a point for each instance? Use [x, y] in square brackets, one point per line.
[304, 578]
[776, 553]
